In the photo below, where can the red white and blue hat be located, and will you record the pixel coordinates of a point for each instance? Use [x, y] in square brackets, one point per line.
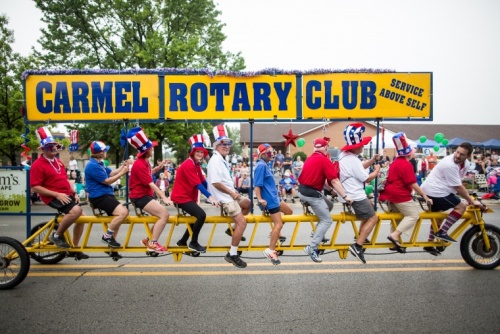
[45, 137]
[402, 145]
[138, 139]
[196, 142]
[353, 135]
[221, 135]
[98, 147]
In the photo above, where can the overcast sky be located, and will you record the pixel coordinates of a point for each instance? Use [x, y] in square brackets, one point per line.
[457, 40]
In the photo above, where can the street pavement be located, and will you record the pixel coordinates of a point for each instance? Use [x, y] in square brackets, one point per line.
[392, 293]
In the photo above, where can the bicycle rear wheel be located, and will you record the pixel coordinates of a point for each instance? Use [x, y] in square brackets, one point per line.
[51, 257]
[14, 263]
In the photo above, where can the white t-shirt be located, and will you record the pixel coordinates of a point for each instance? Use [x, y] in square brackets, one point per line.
[73, 165]
[445, 177]
[218, 172]
[353, 176]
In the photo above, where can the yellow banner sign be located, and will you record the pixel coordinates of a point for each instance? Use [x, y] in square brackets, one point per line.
[91, 97]
[220, 98]
[367, 95]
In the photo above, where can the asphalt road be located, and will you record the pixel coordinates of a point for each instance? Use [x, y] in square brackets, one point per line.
[392, 293]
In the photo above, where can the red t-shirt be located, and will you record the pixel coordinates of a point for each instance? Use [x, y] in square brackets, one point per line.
[317, 168]
[140, 178]
[50, 176]
[398, 186]
[188, 176]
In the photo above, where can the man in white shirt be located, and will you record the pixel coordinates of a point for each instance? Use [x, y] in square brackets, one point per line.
[443, 184]
[221, 186]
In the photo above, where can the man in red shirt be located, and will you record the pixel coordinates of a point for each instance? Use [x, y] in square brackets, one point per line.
[318, 172]
[141, 187]
[48, 179]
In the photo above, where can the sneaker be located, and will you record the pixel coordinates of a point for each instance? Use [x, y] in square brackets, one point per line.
[235, 260]
[59, 242]
[230, 233]
[156, 247]
[358, 252]
[272, 256]
[78, 255]
[111, 242]
[181, 243]
[145, 242]
[196, 247]
[313, 253]
[444, 236]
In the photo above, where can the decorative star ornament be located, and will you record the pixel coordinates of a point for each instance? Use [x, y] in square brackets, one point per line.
[290, 138]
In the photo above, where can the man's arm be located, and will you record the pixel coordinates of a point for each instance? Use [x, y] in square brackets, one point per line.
[465, 194]
[222, 188]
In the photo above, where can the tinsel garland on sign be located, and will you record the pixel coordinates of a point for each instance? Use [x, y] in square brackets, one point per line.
[203, 71]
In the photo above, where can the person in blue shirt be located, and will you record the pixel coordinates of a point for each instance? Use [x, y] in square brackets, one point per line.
[98, 179]
[267, 197]
[288, 186]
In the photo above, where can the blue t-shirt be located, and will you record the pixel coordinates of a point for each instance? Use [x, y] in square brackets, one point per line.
[95, 174]
[264, 179]
[288, 183]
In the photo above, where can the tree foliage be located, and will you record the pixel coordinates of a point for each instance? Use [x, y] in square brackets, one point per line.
[120, 34]
[11, 97]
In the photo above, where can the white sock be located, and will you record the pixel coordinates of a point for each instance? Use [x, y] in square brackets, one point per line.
[233, 250]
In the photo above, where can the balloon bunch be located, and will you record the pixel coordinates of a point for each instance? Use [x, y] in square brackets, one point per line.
[439, 138]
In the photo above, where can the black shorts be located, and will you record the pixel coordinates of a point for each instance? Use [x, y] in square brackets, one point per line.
[107, 203]
[141, 202]
[64, 208]
[444, 203]
[363, 209]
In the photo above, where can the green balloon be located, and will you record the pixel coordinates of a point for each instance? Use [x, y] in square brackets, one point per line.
[423, 139]
[106, 162]
[436, 148]
[439, 137]
[301, 142]
[368, 189]
[444, 142]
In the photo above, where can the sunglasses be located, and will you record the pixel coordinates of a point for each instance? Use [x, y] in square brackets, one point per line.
[52, 147]
[226, 144]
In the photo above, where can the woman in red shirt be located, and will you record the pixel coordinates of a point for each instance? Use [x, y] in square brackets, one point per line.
[401, 181]
[141, 187]
[188, 181]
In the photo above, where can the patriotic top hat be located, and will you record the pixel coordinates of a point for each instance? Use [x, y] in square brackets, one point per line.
[98, 146]
[45, 138]
[196, 142]
[221, 135]
[402, 146]
[353, 135]
[138, 139]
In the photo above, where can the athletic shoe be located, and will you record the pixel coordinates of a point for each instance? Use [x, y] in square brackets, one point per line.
[110, 241]
[357, 251]
[443, 236]
[235, 260]
[230, 233]
[272, 256]
[145, 242]
[196, 247]
[181, 243]
[59, 242]
[313, 253]
[156, 247]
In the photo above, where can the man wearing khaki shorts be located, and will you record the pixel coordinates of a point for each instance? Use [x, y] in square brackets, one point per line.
[221, 186]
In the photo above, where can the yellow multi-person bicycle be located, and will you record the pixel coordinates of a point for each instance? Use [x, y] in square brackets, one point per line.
[479, 245]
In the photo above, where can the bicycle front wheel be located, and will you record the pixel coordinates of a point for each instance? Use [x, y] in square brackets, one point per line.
[473, 248]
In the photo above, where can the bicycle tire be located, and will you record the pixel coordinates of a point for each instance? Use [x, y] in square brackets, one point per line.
[14, 263]
[44, 257]
[473, 250]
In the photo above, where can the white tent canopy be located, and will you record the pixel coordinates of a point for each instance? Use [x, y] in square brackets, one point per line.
[387, 140]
